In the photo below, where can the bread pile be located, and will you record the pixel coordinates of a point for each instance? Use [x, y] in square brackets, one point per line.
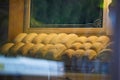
[55, 46]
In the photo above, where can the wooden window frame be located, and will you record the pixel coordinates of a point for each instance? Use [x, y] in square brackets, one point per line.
[19, 18]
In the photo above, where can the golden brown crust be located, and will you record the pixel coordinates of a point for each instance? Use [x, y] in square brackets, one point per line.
[58, 50]
[14, 49]
[51, 54]
[92, 39]
[39, 38]
[58, 38]
[90, 53]
[76, 46]
[97, 46]
[34, 49]
[68, 40]
[69, 53]
[20, 37]
[103, 39]
[87, 45]
[79, 53]
[81, 39]
[55, 46]
[48, 38]
[6, 47]
[43, 51]
[29, 37]
[24, 50]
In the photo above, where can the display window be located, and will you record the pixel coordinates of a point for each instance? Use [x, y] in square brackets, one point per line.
[58, 40]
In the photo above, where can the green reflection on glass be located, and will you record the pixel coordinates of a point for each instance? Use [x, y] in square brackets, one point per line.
[66, 13]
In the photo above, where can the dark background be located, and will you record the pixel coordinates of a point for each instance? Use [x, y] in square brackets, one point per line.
[4, 13]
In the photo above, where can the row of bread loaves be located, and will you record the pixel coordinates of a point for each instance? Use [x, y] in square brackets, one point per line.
[54, 38]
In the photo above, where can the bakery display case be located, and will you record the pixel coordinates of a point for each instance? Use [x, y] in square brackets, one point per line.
[78, 56]
[58, 40]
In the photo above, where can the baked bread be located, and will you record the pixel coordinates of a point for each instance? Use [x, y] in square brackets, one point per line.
[29, 37]
[55, 52]
[92, 39]
[87, 45]
[58, 38]
[6, 47]
[79, 53]
[76, 46]
[39, 38]
[48, 38]
[68, 54]
[77, 59]
[34, 49]
[43, 50]
[14, 50]
[97, 46]
[91, 54]
[51, 54]
[25, 49]
[20, 37]
[60, 48]
[81, 39]
[66, 57]
[68, 40]
[103, 39]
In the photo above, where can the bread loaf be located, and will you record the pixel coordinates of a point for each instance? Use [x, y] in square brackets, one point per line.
[39, 38]
[68, 53]
[76, 46]
[48, 38]
[91, 54]
[97, 46]
[81, 39]
[103, 39]
[14, 50]
[25, 49]
[51, 54]
[43, 51]
[58, 38]
[87, 45]
[66, 57]
[92, 39]
[55, 52]
[79, 53]
[29, 37]
[60, 48]
[34, 49]
[77, 59]
[68, 40]
[20, 37]
[6, 47]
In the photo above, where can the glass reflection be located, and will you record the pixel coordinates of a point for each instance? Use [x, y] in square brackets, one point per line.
[64, 13]
[24, 66]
